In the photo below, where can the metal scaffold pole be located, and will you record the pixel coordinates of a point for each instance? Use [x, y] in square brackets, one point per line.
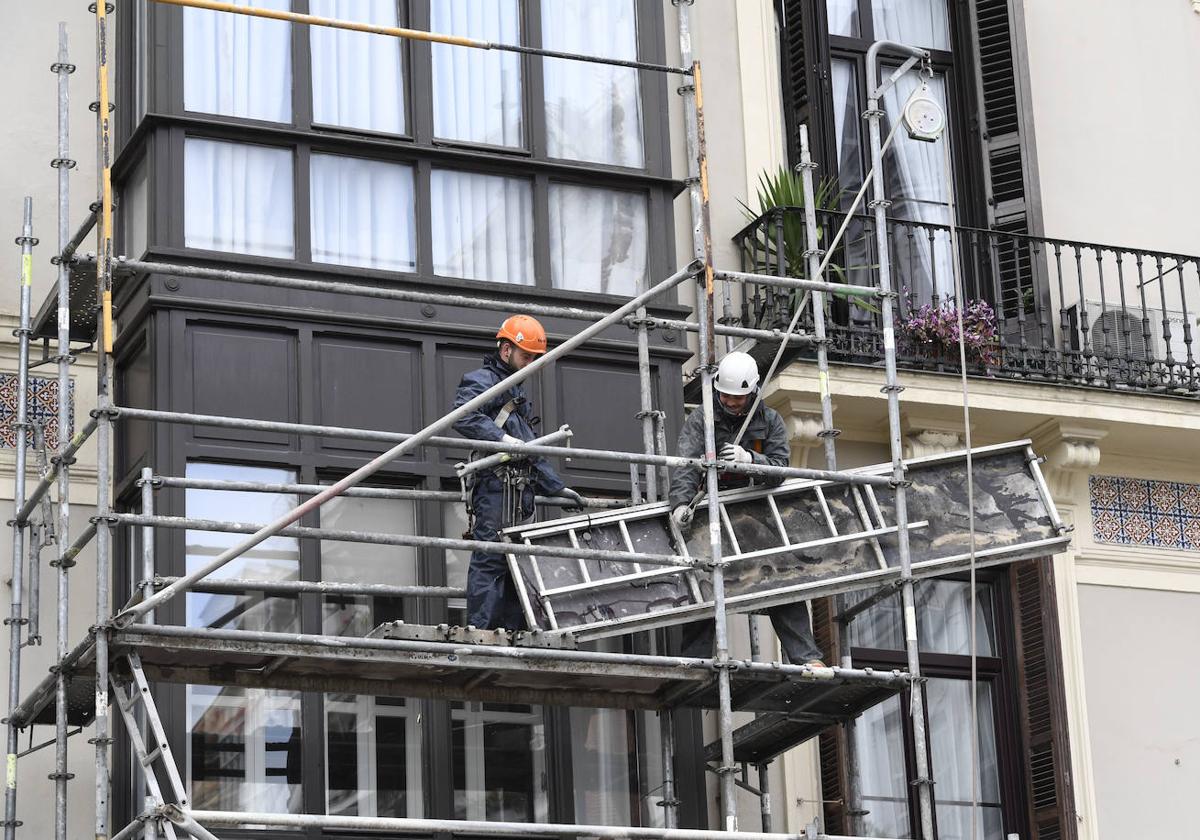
[16, 616]
[828, 435]
[705, 304]
[63, 69]
[104, 348]
[879, 205]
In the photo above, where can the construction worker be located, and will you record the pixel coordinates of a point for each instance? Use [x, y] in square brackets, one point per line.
[765, 442]
[503, 496]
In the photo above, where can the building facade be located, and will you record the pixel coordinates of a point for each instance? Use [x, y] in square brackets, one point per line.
[261, 145]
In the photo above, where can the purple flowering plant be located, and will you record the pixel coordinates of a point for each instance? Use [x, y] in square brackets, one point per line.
[932, 330]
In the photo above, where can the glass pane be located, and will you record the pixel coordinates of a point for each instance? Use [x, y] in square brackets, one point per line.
[238, 198]
[593, 111]
[482, 227]
[922, 23]
[277, 558]
[879, 736]
[477, 93]
[372, 757]
[237, 65]
[843, 17]
[950, 741]
[598, 239]
[363, 213]
[357, 78]
[454, 524]
[943, 619]
[365, 563]
[244, 749]
[499, 763]
[602, 749]
[847, 127]
[134, 209]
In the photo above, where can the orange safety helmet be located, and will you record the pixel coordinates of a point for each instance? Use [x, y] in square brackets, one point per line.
[525, 332]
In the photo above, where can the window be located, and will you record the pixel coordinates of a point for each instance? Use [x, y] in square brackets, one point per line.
[372, 756]
[357, 78]
[236, 65]
[598, 239]
[477, 94]
[331, 147]
[593, 111]
[363, 213]
[244, 745]
[238, 197]
[277, 558]
[482, 227]
[825, 44]
[885, 749]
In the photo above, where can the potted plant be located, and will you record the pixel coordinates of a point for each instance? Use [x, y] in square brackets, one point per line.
[931, 333]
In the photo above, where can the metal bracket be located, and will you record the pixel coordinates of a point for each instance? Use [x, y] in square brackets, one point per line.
[62, 67]
[61, 163]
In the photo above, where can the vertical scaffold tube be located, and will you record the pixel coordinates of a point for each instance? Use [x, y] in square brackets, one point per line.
[102, 739]
[16, 616]
[828, 434]
[63, 68]
[879, 205]
[708, 363]
[147, 582]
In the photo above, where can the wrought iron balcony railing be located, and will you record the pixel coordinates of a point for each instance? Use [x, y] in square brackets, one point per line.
[1050, 310]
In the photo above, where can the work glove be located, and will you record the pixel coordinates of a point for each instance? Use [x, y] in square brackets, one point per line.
[733, 452]
[576, 499]
[682, 515]
[509, 439]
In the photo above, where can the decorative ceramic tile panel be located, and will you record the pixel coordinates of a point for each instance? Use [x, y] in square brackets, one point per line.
[1138, 511]
[43, 409]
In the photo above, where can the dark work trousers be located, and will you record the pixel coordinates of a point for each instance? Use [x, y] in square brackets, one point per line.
[792, 625]
[492, 600]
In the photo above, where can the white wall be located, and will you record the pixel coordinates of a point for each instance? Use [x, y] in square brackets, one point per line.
[1140, 654]
[1115, 87]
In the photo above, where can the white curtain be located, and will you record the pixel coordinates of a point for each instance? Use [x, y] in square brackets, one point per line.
[363, 213]
[915, 179]
[593, 111]
[477, 94]
[482, 226]
[943, 610]
[922, 23]
[598, 239]
[238, 197]
[950, 749]
[842, 16]
[236, 65]
[357, 78]
[879, 737]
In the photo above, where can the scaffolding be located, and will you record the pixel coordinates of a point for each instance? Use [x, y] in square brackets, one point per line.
[118, 657]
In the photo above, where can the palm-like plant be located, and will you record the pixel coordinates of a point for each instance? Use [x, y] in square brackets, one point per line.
[784, 239]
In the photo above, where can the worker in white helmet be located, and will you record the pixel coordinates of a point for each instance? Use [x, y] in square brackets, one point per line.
[765, 442]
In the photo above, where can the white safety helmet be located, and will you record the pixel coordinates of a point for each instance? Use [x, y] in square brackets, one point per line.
[737, 374]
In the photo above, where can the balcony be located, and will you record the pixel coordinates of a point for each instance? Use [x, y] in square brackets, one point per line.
[1036, 309]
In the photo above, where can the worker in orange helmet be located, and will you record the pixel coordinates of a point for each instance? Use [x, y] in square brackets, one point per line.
[503, 496]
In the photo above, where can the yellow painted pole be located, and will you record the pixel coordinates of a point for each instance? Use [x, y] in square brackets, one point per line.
[104, 228]
[417, 34]
[317, 20]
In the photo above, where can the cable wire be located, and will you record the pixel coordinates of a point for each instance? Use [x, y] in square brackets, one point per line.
[960, 300]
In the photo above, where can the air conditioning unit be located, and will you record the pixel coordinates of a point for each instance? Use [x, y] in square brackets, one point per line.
[1126, 334]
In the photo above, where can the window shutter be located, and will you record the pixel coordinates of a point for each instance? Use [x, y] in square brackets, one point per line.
[800, 61]
[1044, 735]
[831, 744]
[1004, 150]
